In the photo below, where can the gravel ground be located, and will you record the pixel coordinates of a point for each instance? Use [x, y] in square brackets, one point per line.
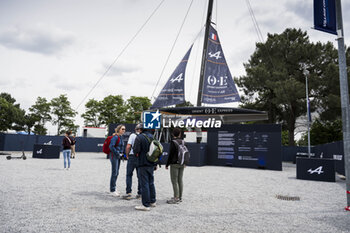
[37, 195]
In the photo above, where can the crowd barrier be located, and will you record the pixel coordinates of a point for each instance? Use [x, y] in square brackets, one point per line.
[334, 150]
[18, 142]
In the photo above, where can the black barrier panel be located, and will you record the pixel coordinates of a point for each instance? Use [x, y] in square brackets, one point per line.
[41, 151]
[334, 150]
[18, 142]
[89, 144]
[289, 153]
[251, 146]
[198, 153]
[50, 140]
[316, 169]
[2, 141]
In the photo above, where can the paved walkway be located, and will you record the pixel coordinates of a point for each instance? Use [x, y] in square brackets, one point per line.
[37, 195]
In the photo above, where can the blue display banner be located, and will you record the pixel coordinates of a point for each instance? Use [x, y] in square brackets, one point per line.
[218, 85]
[173, 91]
[325, 16]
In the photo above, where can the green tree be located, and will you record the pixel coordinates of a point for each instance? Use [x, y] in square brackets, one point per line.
[92, 113]
[29, 122]
[113, 110]
[326, 79]
[135, 106]
[275, 81]
[185, 104]
[323, 132]
[11, 115]
[41, 112]
[63, 114]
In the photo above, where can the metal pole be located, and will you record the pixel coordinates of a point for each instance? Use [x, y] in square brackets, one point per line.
[344, 94]
[306, 72]
[204, 55]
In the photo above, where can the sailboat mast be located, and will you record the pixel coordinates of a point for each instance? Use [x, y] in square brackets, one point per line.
[205, 45]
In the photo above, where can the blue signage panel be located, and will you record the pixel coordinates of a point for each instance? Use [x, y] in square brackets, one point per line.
[325, 16]
[252, 146]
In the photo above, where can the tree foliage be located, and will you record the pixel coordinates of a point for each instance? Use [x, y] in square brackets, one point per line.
[62, 114]
[11, 115]
[112, 110]
[323, 132]
[135, 105]
[40, 112]
[92, 113]
[275, 79]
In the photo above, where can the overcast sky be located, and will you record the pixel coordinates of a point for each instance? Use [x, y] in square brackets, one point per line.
[48, 48]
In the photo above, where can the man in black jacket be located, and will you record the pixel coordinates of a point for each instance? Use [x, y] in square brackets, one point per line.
[146, 170]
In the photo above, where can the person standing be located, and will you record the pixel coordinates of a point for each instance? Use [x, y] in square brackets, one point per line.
[176, 169]
[73, 147]
[117, 150]
[146, 170]
[131, 165]
[66, 143]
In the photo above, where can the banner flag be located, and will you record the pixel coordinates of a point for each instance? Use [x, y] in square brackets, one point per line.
[173, 91]
[325, 16]
[309, 110]
[218, 85]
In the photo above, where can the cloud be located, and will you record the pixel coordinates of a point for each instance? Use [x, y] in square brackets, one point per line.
[120, 68]
[41, 39]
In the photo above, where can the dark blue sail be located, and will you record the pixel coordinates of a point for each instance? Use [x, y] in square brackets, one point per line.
[173, 91]
[218, 85]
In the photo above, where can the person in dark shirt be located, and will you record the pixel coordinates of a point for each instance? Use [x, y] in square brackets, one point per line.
[176, 169]
[73, 147]
[67, 143]
[146, 170]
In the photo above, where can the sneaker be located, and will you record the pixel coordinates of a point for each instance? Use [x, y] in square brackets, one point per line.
[173, 201]
[143, 208]
[127, 196]
[138, 196]
[115, 193]
[153, 204]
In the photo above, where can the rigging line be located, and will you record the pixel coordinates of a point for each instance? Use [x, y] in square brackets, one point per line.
[216, 14]
[166, 62]
[119, 55]
[257, 28]
[195, 63]
[255, 22]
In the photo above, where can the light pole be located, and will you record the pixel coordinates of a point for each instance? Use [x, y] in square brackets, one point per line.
[306, 73]
[344, 95]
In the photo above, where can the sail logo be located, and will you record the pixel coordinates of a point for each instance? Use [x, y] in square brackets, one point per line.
[39, 151]
[212, 80]
[151, 120]
[178, 78]
[216, 55]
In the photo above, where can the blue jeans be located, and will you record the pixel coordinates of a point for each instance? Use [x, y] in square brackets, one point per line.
[148, 189]
[66, 156]
[129, 172]
[115, 162]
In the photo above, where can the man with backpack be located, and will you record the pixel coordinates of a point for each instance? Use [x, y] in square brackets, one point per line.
[146, 169]
[131, 165]
[177, 160]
